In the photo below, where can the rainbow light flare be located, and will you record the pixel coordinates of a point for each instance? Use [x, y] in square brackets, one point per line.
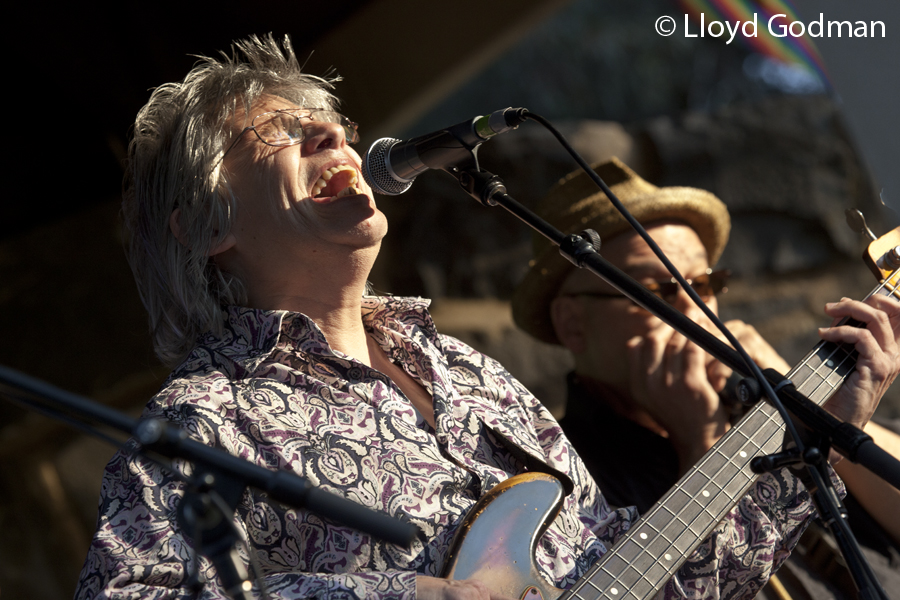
[790, 50]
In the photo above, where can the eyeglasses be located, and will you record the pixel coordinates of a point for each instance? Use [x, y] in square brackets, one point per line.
[287, 127]
[707, 285]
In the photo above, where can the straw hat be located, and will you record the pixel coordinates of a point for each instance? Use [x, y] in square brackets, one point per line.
[576, 203]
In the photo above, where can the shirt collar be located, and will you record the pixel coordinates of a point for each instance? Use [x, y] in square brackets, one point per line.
[250, 335]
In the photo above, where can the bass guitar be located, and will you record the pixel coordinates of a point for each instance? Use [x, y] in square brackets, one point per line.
[496, 542]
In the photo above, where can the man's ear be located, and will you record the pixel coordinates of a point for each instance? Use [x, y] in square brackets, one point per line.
[567, 315]
[175, 226]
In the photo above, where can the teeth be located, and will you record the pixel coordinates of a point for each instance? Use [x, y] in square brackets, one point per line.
[327, 175]
[348, 191]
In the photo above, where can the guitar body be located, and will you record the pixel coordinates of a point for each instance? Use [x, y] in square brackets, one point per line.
[496, 541]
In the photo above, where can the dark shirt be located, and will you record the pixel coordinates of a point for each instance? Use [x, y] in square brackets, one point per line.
[645, 465]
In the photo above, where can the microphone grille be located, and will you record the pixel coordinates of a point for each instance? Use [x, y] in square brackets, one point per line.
[376, 172]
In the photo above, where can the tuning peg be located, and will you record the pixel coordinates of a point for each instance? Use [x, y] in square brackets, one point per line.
[892, 258]
[857, 222]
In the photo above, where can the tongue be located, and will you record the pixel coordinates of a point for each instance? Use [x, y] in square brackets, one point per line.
[338, 182]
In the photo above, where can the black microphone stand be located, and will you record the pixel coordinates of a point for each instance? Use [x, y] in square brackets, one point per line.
[206, 512]
[822, 430]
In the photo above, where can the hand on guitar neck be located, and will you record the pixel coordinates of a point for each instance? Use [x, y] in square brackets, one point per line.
[879, 355]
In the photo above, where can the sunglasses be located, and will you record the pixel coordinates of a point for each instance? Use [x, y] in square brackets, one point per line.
[707, 285]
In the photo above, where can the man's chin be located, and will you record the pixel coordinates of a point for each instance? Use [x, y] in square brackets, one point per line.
[368, 232]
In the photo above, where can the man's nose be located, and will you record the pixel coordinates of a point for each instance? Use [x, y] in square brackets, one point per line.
[683, 302]
[691, 310]
[322, 135]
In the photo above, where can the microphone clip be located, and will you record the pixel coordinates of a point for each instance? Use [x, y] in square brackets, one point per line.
[481, 185]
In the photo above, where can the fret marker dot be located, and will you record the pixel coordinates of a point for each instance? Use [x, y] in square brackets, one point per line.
[667, 556]
[743, 454]
[614, 591]
[705, 494]
[829, 362]
[643, 536]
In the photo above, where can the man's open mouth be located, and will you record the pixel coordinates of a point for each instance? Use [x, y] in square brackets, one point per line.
[337, 182]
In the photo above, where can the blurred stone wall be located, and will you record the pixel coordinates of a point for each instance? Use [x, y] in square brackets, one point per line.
[784, 165]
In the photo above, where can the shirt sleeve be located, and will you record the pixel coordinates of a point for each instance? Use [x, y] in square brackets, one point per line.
[140, 552]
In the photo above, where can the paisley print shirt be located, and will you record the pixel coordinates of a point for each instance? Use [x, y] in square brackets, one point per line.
[272, 391]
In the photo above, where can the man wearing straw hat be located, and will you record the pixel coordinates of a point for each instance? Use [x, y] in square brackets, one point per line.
[644, 402]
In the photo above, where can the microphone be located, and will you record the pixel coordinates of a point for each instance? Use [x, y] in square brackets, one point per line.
[391, 165]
